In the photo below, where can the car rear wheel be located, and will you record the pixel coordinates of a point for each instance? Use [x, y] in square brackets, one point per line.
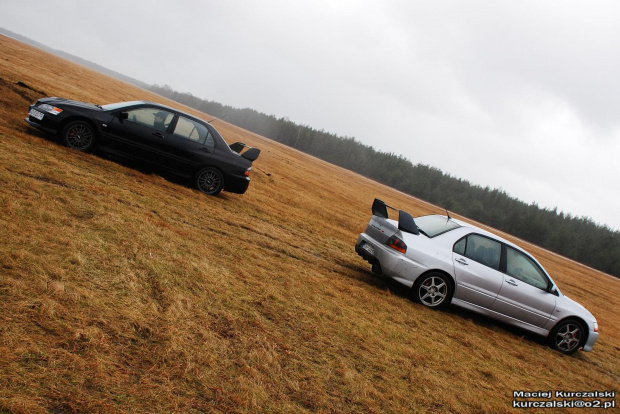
[567, 336]
[209, 180]
[79, 135]
[433, 290]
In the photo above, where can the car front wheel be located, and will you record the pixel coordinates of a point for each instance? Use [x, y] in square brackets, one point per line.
[433, 290]
[567, 336]
[79, 135]
[209, 180]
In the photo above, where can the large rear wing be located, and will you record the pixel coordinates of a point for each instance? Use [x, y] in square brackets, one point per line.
[250, 153]
[405, 220]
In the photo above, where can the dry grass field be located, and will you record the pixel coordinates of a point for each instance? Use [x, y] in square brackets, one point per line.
[125, 292]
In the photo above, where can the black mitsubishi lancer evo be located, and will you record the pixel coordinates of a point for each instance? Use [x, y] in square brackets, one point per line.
[161, 136]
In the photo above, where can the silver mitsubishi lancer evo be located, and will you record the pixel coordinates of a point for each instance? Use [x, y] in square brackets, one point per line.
[448, 261]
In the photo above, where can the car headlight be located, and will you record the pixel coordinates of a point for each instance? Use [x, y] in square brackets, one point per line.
[49, 109]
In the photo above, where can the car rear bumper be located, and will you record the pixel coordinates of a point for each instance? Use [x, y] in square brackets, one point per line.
[238, 185]
[390, 262]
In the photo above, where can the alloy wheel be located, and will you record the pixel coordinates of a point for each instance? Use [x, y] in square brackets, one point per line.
[79, 136]
[209, 181]
[433, 291]
[568, 337]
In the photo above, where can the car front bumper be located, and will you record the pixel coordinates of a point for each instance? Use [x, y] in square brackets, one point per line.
[45, 121]
[592, 338]
[50, 128]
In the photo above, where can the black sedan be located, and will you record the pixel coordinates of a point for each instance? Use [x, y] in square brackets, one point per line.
[159, 135]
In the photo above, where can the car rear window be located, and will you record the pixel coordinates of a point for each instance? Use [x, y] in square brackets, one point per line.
[435, 225]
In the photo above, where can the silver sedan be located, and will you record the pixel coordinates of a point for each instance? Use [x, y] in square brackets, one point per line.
[445, 261]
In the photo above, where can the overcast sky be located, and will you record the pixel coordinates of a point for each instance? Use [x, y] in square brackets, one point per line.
[518, 95]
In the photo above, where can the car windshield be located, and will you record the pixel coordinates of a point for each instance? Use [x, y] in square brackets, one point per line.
[119, 105]
[435, 225]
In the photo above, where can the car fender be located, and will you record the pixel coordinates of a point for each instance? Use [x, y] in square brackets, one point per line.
[89, 121]
[567, 308]
[215, 167]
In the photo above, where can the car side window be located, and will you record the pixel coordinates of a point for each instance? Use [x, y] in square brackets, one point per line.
[150, 117]
[480, 249]
[210, 142]
[459, 246]
[522, 267]
[192, 130]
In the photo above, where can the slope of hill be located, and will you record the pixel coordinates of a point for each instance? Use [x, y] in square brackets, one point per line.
[75, 59]
[125, 292]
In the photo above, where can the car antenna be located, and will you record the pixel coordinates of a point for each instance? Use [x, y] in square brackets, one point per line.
[448, 213]
[215, 119]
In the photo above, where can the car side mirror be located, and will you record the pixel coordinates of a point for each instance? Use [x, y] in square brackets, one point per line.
[122, 116]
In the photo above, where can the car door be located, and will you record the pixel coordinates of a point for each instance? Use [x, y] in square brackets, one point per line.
[141, 133]
[189, 146]
[476, 267]
[524, 294]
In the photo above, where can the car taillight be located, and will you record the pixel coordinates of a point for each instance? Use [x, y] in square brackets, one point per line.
[248, 171]
[595, 327]
[397, 244]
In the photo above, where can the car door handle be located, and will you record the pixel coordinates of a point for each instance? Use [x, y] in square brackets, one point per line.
[512, 282]
[158, 134]
[462, 261]
[205, 150]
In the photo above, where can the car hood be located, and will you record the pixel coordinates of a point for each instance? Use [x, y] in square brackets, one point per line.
[566, 306]
[55, 101]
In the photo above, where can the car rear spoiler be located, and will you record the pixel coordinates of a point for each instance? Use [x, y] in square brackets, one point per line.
[250, 154]
[405, 220]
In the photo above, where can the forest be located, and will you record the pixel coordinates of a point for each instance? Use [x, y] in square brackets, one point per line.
[578, 238]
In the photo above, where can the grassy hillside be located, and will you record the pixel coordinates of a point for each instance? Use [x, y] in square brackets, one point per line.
[125, 292]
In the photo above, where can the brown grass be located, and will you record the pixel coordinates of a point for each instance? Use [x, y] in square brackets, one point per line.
[124, 292]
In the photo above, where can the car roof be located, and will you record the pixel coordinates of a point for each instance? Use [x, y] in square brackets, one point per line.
[484, 232]
[480, 230]
[121, 105]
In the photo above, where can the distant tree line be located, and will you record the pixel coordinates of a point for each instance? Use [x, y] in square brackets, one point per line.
[578, 238]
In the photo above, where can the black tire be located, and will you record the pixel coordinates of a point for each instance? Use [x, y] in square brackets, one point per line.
[209, 180]
[79, 135]
[567, 336]
[433, 290]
